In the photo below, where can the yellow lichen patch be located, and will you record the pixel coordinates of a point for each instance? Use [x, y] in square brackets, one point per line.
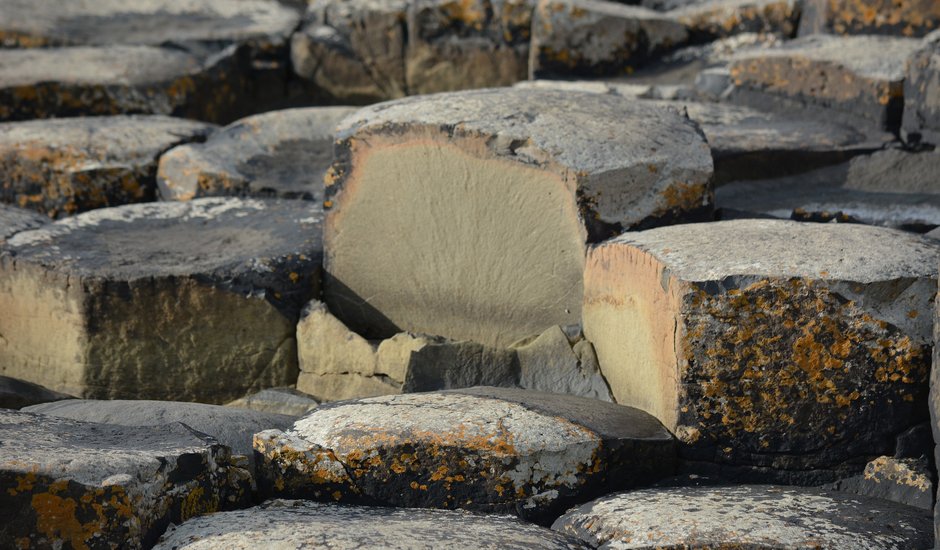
[470, 13]
[56, 519]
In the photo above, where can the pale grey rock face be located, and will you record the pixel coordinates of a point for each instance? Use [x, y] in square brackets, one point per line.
[287, 524]
[16, 394]
[896, 171]
[281, 154]
[287, 401]
[81, 484]
[488, 449]
[233, 428]
[921, 123]
[14, 220]
[792, 77]
[569, 168]
[747, 516]
[61, 167]
[689, 321]
[192, 301]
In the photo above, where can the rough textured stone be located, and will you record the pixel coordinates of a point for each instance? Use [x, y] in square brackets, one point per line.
[828, 194]
[276, 154]
[14, 220]
[500, 206]
[774, 349]
[16, 394]
[934, 402]
[65, 166]
[749, 516]
[921, 122]
[110, 80]
[469, 44]
[353, 51]
[845, 77]
[70, 484]
[192, 301]
[233, 428]
[488, 449]
[905, 481]
[714, 19]
[893, 17]
[598, 38]
[336, 363]
[278, 401]
[300, 524]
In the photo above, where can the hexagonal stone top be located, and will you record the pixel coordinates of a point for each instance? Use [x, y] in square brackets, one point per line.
[14, 220]
[781, 248]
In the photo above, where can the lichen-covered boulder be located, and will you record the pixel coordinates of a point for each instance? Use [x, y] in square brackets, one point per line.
[276, 154]
[774, 349]
[487, 449]
[302, 524]
[65, 166]
[111, 80]
[798, 74]
[909, 18]
[921, 122]
[903, 480]
[70, 484]
[193, 301]
[16, 394]
[14, 220]
[591, 38]
[746, 516]
[231, 427]
[466, 215]
[715, 19]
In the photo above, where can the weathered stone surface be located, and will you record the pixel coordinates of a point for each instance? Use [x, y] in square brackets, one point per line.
[774, 349]
[65, 166]
[598, 38]
[353, 51]
[499, 207]
[893, 17]
[921, 122]
[828, 194]
[16, 394]
[231, 427]
[278, 401]
[844, 77]
[70, 484]
[301, 524]
[714, 19]
[336, 363]
[192, 301]
[276, 154]
[488, 449]
[748, 516]
[933, 402]
[110, 80]
[905, 481]
[895, 170]
[14, 220]
[471, 44]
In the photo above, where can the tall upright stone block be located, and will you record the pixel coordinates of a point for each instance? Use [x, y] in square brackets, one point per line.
[790, 351]
[467, 215]
[921, 122]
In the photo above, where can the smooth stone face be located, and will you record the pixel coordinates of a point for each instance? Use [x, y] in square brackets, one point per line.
[720, 18]
[591, 38]
[62, 167]
[921, 122]
[279, 154]
[488, 449]
[905, 481]
[297, 524]
[763, 344]
[175, 301]
[14, 220]
[111, 80]
[909, 18]
[551, 363]
[747, 516]
[869, 69]
[287, 401]
[16, 394]
[231, 427]
[467, 266]
[65, 483]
